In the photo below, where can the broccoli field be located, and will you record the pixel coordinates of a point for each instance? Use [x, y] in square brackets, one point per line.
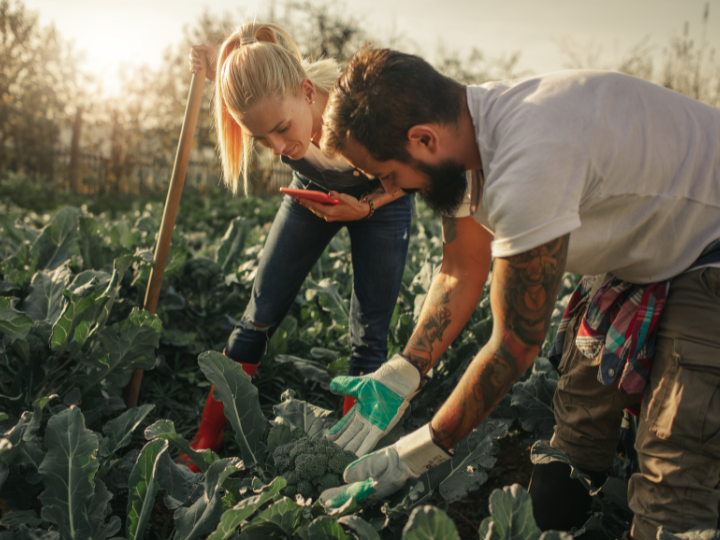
[76, 464]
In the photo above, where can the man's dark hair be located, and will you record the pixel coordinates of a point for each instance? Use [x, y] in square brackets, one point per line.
[382, 94]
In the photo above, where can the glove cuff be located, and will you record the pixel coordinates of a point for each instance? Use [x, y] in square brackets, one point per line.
[419, 452]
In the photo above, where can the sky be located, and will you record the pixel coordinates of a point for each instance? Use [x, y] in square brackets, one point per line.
[138, 31]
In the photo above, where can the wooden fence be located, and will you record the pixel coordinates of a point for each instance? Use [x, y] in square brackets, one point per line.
[98, 174]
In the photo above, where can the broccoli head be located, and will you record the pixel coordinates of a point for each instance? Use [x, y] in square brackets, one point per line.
[305, 489]
[328, 481]
[311, 465]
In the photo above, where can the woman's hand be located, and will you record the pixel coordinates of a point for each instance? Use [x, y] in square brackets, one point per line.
[196, 64]
[349, 209]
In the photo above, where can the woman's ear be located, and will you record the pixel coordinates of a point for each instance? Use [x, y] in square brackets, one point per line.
[423, 141]
[308, 90]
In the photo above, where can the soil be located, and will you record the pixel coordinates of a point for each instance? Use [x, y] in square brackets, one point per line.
[513, 466]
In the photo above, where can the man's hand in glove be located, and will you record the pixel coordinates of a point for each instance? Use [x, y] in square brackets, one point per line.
[382, 398]
[381, 473]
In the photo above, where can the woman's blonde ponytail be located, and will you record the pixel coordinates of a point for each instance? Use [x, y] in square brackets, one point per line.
[252, 65]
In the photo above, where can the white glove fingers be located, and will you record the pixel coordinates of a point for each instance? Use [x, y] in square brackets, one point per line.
[357, 440]
[369, 442]
[351, 429]
[382, 466]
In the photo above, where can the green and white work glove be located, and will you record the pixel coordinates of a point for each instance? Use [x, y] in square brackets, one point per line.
[382, 398]
[381, 473]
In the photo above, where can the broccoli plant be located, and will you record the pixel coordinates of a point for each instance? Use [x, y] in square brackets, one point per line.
[311, 465]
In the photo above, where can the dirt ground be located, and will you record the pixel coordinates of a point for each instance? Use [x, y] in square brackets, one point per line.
[513, 466]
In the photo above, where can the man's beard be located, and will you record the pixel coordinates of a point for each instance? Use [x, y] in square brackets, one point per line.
[447, 185]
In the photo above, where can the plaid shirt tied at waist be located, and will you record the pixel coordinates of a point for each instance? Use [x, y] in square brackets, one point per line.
[621, 324]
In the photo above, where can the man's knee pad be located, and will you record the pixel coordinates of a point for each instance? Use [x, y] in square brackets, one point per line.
[559, 502]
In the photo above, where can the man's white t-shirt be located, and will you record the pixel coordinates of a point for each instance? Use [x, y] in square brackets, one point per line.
[631, 169]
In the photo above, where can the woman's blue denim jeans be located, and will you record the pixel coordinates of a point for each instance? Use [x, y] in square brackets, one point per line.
[296, 240]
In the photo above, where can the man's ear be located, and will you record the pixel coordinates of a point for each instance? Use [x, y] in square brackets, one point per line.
[423, 141]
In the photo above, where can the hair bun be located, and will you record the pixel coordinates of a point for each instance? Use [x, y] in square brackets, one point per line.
[246, 40]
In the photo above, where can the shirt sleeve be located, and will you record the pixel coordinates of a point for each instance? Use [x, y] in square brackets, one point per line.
[532, 194]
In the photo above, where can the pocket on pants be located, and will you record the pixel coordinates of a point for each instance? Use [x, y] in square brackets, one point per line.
[685, 405]
[710, 282]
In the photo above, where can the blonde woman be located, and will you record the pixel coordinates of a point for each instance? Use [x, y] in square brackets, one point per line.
[267, 93]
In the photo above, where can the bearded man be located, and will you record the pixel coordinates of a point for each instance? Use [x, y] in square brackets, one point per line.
[590, 172]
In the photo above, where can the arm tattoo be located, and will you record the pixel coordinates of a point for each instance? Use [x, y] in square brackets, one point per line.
[531, 283]
[476, 396]
[449, 229]
[527, 285]
[428, 331]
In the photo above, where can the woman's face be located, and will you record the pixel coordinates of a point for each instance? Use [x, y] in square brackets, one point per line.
[284, 126]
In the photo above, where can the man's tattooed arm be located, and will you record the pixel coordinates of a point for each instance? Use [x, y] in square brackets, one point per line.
[455, 292]
[523, 294]
[430, 331]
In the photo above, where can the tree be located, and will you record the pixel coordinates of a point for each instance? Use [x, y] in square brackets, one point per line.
[37, 82]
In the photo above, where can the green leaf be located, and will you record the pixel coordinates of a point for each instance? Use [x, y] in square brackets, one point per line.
[281, 520]
[19, 267]
[532, 400]
[283, 434]
[89, 300]
[118, 431]
[72, 315]
[58, 240]
[142, 487]
[242, 406]
[99, 510]
[232, 244]
[512, 515]
[429, 523]
[311, 371]
[326, 528]
[107, 298]
[233, 517]
[360, 528]
[23, 533]
[165, 429]
[14, 325]
[14, 519]
[67, 471]
[123, 347]
[4, 468]
[93, 249]
[122, 234]
[45, 301]
[23, 432]
[466, 471]
[17, 232]
[334, 301]
[202, 517]
[177, 481]
[311, 419]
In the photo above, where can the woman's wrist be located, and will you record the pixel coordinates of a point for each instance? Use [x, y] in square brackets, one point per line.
[371, 205]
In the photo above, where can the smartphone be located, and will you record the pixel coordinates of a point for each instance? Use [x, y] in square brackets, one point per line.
[317, 196]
